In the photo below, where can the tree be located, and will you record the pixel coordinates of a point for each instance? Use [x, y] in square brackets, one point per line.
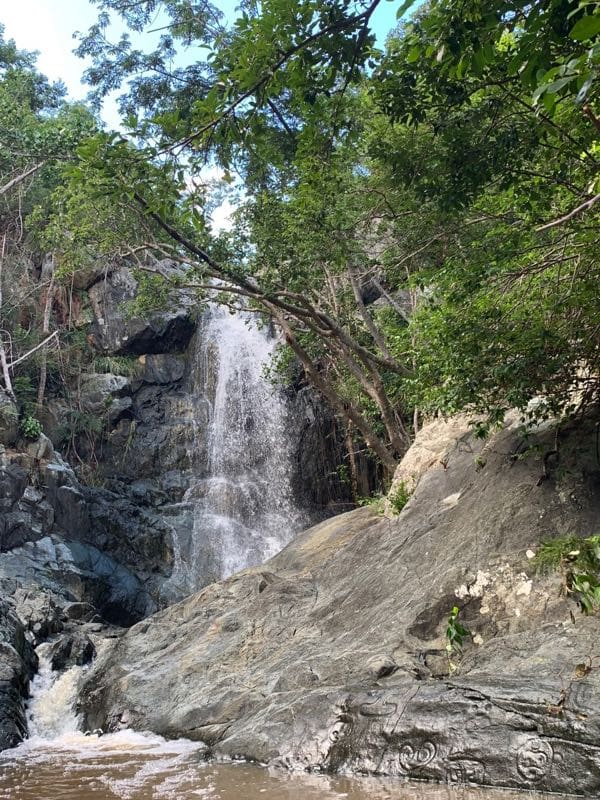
[38, 133]
[455, 174]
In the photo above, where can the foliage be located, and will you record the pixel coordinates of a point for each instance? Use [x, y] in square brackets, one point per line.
[579, 560]
[420, 174]
[455, 636]
[25, 391]
[418, 222]
[375, 502]
[31, 428]
[398, 497]
[129, 366]
[43, 241]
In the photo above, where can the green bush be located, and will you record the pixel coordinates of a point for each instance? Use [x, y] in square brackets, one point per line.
[399, 497]
[31, 428]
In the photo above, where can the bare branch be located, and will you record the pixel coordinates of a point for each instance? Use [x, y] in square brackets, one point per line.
[20, 178]
[46, 341]
[583, 207]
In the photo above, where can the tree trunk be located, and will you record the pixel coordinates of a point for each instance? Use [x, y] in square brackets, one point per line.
[345, 409]
[48, 275]
[3, 360]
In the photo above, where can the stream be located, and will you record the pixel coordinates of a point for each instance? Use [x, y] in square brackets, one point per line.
[132, 766]
[59, 762]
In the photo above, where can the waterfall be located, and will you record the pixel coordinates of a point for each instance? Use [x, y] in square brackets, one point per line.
[241, 496]
[59, 760]
[51, 711]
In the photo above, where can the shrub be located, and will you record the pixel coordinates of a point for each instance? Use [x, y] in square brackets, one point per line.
[31, 428]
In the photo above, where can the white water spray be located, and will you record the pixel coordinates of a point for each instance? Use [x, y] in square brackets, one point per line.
[51, 711]
[242, 496]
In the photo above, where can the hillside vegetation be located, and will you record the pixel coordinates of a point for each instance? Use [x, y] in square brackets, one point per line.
[419, 221]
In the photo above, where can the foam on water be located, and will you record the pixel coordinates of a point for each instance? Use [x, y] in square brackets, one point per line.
[58, 760]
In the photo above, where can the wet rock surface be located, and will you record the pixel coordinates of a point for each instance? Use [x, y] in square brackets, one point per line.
[17, 663]
[73, 649]
[332, 656]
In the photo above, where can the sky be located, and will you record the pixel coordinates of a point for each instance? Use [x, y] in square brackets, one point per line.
[48, 25]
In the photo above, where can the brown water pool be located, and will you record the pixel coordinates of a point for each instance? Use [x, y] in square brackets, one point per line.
[131, 766]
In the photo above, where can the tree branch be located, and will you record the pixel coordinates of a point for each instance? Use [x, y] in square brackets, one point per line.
[561, 220]
[334, 27]
[20, 178]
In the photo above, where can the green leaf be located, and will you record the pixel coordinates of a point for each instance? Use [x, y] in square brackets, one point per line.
[556, 86]
[413, 54]
[404, 8]
[585, 28]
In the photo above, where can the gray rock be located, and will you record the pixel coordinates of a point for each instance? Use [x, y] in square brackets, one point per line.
[41, 448]
[113, 331]
[322, 480]
[9, 419]
[106, 396]
[79, 612]
[381, 666]
[39, 611]
[94, 272]
[163, 368]
[17, 663]
[285, 663]
[13, 481]
[16, 528]
[73, 649]
[82, 543]
[71, 512]
[79, 572]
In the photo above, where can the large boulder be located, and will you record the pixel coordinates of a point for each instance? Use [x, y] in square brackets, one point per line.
[115, 331]
[79, 572]
[332, 656]
[83, 544]
[74, 649]
[106, 396]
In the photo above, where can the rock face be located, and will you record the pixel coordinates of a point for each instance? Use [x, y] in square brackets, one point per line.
[17, 662]
[82, 544]
[9, 419]
[333, 654]
[114, 331]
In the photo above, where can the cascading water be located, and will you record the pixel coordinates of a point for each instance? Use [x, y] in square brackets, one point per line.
[59, 760]
[241, 491]
[51, 711]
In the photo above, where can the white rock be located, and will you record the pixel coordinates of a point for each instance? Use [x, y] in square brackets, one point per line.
[451, 500]
[525, 588]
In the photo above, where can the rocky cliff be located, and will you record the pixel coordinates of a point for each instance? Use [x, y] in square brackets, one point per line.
[109, 544]
[333, 654]
[17, 663]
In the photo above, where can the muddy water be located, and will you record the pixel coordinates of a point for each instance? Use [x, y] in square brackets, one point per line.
[58, 762]
[132, 766]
